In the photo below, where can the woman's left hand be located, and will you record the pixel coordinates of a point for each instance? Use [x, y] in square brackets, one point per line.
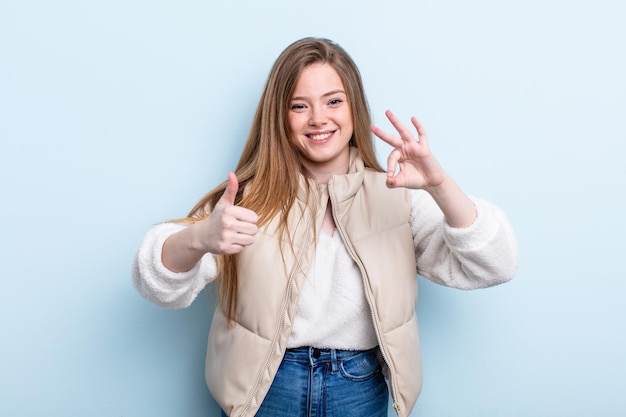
[418, 168]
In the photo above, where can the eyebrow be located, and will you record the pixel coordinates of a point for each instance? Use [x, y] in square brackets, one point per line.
[330, 93]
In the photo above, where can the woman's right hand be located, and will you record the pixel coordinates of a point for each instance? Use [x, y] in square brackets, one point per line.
[229, 228]
[226, 231]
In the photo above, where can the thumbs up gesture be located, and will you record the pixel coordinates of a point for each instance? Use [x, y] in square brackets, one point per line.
[229, 228]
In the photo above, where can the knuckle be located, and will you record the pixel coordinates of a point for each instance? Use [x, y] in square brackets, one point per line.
[228, 222]
[222, 247]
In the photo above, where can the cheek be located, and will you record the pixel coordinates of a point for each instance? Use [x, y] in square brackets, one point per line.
[349, 121]
[293, 123]
[293, 130]
[347, 118]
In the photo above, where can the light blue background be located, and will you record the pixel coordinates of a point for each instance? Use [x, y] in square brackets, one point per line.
[115, 115]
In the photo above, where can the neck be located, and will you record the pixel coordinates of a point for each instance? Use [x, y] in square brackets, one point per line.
[322, 172]
[322, 176]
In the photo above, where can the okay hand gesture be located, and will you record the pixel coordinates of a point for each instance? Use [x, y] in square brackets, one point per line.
[411, 164]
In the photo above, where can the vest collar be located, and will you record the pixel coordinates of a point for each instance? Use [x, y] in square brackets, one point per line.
[344, 186]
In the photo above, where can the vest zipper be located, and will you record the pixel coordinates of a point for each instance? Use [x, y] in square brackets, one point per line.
[383, 348]
[286, 305]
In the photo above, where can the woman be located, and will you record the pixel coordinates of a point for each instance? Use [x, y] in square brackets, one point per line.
[315, 250]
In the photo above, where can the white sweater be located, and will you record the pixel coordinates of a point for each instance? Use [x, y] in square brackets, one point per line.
[332, 310]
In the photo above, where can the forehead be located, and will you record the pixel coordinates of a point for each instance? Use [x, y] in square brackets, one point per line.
[318, 78]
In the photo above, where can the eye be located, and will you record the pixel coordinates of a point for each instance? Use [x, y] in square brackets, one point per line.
[335, 102]
[298, 107]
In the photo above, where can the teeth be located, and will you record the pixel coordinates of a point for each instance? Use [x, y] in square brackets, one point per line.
[320, 137]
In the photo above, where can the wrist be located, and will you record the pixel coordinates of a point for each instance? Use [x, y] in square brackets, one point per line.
[459, 211]
[439, 186]
[195, 241]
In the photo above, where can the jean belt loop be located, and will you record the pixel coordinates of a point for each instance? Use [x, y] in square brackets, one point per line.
[333, 361]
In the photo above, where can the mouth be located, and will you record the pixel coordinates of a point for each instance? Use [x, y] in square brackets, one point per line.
[320, 137]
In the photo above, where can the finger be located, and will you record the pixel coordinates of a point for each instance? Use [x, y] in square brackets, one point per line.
[421, 132]
[392, 164]
[238, 243]
[232, 249]
[405, 133]
[240, 220]
[228, 198]
[395, 176]
[246, 215]
[248, 229]
[232, 241]
[390, 139]
[244, 240]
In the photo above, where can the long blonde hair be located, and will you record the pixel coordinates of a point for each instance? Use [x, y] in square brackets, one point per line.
[269, 159]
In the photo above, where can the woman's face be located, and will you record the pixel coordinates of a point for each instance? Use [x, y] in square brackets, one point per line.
[320, 121]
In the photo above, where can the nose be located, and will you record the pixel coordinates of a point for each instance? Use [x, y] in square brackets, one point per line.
[317, 116]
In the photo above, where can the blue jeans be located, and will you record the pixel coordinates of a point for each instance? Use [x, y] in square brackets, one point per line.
[327, 383]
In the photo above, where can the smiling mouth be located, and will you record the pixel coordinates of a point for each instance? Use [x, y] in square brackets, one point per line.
[320, 137]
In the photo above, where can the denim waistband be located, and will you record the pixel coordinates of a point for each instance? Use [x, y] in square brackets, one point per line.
[312, 355]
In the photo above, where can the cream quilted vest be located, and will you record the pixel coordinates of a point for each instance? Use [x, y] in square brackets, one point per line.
[374, 223]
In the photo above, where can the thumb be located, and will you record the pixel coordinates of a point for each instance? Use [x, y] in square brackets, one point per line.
[228, 198]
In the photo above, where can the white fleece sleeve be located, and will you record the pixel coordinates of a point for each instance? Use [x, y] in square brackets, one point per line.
[158, 284]
[481, 255]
